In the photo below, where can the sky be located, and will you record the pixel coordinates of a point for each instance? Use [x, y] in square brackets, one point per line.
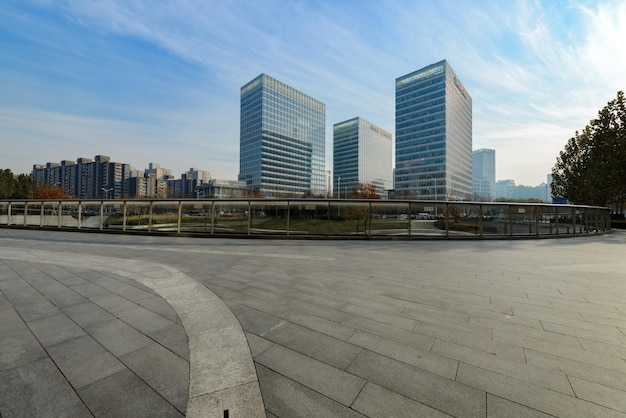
[159, 81]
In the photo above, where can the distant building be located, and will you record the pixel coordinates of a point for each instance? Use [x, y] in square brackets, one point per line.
[85, 179]
[484, 174]
[433, 135]
[362, 153]
[223, 189]
[282, 139]
[505, 189]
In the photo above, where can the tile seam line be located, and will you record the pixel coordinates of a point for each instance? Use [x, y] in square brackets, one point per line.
[105, 263]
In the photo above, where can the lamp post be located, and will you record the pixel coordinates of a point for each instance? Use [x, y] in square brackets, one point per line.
[338, 187]
[106, 192]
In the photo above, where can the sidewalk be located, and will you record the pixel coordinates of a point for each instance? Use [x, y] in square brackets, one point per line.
[496, 328]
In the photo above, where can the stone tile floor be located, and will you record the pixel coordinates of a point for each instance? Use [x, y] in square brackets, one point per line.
[426, 328]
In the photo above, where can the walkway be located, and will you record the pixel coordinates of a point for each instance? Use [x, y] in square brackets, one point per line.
[490, 328]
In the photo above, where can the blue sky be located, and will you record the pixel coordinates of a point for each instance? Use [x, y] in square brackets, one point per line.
[148, 81]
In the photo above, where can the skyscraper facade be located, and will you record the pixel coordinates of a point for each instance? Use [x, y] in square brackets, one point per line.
[484, 174]
[282, 139]
[362, 153]
[433, 135]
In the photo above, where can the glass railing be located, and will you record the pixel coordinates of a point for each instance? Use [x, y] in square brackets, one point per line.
[401, 219]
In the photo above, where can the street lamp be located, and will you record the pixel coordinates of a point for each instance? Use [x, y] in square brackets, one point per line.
[338, 187]
[106, 192]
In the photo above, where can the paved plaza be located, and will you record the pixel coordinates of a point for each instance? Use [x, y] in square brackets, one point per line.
[128, 325]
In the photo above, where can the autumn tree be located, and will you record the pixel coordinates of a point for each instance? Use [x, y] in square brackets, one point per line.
[365, 191]
[591, 169]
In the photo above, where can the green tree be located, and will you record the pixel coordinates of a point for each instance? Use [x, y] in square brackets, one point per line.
[591, 169]
[7, 184]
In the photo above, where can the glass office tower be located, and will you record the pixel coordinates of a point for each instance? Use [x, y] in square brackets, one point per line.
[433, 135]
[361, 154]
[484, 174]
[282, 140]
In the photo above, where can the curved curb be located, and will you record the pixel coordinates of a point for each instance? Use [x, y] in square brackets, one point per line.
[222, 376]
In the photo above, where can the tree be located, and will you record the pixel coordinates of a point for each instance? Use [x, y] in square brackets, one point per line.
[365, 191]
[20, 187]
[591, 169]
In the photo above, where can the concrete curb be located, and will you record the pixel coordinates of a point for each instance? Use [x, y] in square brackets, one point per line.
[222, 377]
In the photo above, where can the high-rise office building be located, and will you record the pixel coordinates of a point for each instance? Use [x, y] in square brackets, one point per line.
[433, 135]
[282, 139]
[484, 174]
[361, 154]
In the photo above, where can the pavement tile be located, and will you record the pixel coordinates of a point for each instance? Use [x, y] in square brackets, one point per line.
[255, 322]
[18, 347]
[143, 319]
[325, 326]
[425, 360]
[422, 386]
[159, 306]
[133, 398]
[164, 371]
[174, 338]
[87, 314]
[321, 347]
[498, 407]
[38, 389]
[574, 368]
[84, 361]
[240, 401]
[117, 336]
[284, 397]
[327, 380]
[599, 394]
[532, 374]
[10, 320]
[89, 290]
[403, 336]
[55, 329]
[219, 359]
[377, 402]
[532, 396]
[257, 344]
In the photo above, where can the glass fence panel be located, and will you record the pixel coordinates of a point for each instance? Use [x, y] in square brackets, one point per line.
[50, 214]
[138, 216]
[33, 213]
[70, 214]
[4, 213]
[231, 217]
[565, 221]
[196, 216]
[159, 216]
[461, 219]
[352, 218]
[495, 220]
[547, 218]
[424, 218]
[112, 214]
[310, 217]
[17, 213]
[523, 220]
[268, 217]
[90, 217]
[390, 218]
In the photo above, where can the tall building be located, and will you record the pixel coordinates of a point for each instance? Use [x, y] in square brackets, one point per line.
[484, 174]
[282, 139]
[361, 154]
[505, 189]
[433, 135]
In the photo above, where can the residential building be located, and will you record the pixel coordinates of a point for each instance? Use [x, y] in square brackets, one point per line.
[362, 153]
[484, 174]
[282, 139]
[433, 135]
